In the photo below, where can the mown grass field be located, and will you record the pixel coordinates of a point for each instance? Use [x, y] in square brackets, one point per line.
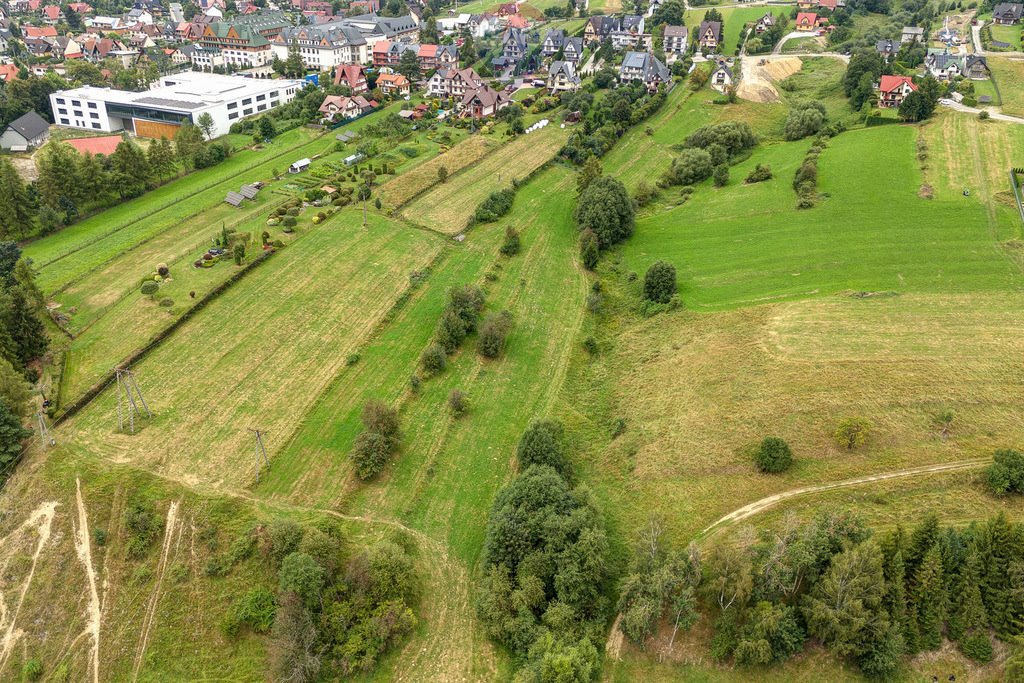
[260, 354]
[448, 207]
[1007, 34]
[746, 244]
[405, 187]
[1009, 75]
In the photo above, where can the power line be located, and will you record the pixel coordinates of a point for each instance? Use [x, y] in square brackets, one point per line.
[128, 389]
[44, 432]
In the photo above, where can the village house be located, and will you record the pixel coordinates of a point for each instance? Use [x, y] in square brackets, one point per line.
[709, 35]
[600, 27]
[25, 132]
[645, 67]
[352, 77]
[1007, 13]
[482, 102]
[912, 34]
[887, 48]
[513, 50]
[245, 41]
[892, 90]
[340, 107]
[764, 23]
[433, 57]
[562, 77]
[453, 83]
[806, 21]
[395, 85]
[942, 65]
[675, 42]
[553, 41]
[344, 41]
[721, 77]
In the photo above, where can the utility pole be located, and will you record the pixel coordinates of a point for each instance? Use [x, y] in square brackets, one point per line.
[260, 451]
[128, 390]
[44, 433]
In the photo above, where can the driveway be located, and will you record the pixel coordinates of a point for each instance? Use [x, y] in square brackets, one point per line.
[994, 115]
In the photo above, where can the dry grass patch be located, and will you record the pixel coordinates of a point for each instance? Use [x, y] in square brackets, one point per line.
[697, 391]
[408, 186]
[448, 207]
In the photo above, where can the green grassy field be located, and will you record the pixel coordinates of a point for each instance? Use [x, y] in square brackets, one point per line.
[405, 187]
[1009, 75]
[1007, 34]
[806, 44]
[447, 207]
[850, 241]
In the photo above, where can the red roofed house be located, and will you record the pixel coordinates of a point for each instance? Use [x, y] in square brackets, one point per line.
[51, 13]
[517, 21]
[346, 107]
[352, 76]
[380, 52]
[393, 84]
[893, 89]
[80, 7]
[806, 21]
[828, 4]
[102, 145]
[8, 73]
[507, 9]
[39, 31]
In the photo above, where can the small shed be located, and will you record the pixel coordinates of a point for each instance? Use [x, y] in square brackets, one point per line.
[299, 166]
[25, 132]
[354, 159]
[249, 191]
[234, 199]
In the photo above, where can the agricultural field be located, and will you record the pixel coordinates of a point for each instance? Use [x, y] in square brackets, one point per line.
[1008, 73]
[448, 207]
[407, 186]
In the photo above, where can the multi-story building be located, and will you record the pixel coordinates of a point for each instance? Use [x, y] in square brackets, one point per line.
[244, 41]
[345, 41]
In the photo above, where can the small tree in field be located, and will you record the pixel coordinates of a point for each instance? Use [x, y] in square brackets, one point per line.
[542, 444]
[433, 359]
[457, 403]
[589, 249]
[773, 455]
[378, 440]
[1006, 473]
[511, 245]
[852, 433]
[442, 174]
[660, 282]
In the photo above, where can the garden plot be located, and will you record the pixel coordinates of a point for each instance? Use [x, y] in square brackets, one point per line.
[397, 192]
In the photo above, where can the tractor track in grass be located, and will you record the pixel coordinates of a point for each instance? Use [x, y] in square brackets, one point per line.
[763, 504]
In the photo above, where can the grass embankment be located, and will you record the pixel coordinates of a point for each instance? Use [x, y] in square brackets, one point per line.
[448, 207]
[1009, 75]
[260, 354]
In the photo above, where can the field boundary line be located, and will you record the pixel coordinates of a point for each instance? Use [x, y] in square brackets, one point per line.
[768, 502]
[398, 207]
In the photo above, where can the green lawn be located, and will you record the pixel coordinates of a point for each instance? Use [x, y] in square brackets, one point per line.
[748, 244]
[1007, 34]
[987, 87]
[1009, 76]
[804, 44]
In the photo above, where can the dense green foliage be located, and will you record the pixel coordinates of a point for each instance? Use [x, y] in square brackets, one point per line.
[545, 563]
[543, 444]
[495, 206]
[660, 282]
[493, 331]
[378, 441]
[604, 207]
[773, 455]
[460, 317]
[805, 119]
[1006, 473]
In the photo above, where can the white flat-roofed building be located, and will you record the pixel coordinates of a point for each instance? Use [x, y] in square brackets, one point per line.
[175, 99]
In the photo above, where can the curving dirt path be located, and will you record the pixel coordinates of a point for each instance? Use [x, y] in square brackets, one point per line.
[765, 503]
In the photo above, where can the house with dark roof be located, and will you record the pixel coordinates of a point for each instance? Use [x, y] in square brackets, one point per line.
[887, 48]
[338, 106]
[562, 77]
[943, 65]
[645, 67]
[721, 77]
[25, 132]
[553, 42]
[912, 34]
[482, 102]
[675, 41]
[709, 35]
[1007, 13]
[513, 50]
[453, 83]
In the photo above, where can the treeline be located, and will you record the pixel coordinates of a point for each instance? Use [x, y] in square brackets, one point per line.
[873, 599]
[546, 565]
[69, 184]
[23, 340]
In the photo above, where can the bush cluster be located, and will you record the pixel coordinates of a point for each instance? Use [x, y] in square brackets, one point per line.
[495, 206]
[378, 441]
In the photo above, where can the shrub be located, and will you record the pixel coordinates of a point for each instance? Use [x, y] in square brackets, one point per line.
[852, 432]
[442, 174]
[493, 332]
[99, 537]
[285, 537]
[32, 670]
[773, 455]
[605, 208]
[142, 527]
[433, 359]
[163, 270]
[511, 245]
[977, 647]
[660, 282]
[294, 211]
[254, 610]
[594, 302]
[984, 116]
[721, 175]
[150, 288]
[167, 302]
[1006, 473]
[589, 249]
[590, 344]
[378, 440]
[495, 206]
[290, 221]
[732, 135]
[457, 403]
[690, 167]
[542, 444]
[761, 173]
[805, 119]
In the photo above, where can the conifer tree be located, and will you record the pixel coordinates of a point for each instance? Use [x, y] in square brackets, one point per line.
[92, 177]
[929, 600]
[15, 206]
[995, 545]
[896, 595]
[25, 327]
[131, 172]
[161, 159]
[12, 433]
[58, 175]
